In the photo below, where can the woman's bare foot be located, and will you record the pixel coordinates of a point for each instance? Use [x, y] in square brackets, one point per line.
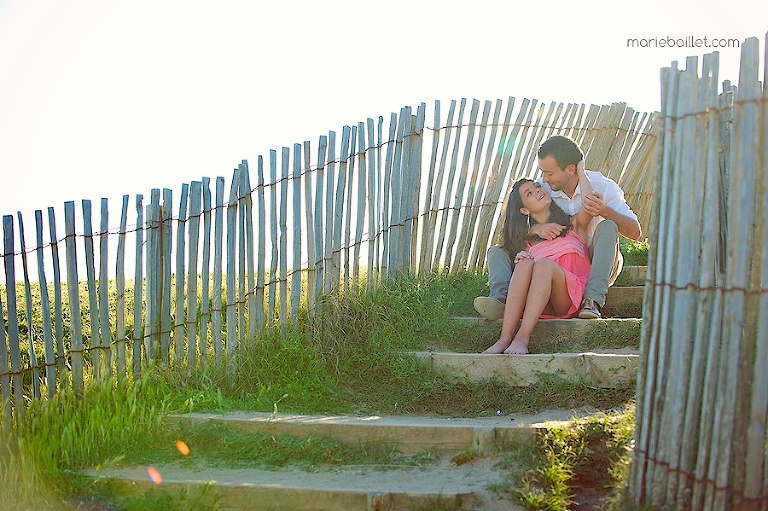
[497, 347]
[517, 347]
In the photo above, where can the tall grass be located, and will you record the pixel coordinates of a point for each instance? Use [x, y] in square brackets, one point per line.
[349, 355]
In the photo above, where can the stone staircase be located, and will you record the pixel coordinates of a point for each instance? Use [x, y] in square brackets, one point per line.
[463, 472]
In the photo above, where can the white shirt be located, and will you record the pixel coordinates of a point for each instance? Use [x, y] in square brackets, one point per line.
[613, 197]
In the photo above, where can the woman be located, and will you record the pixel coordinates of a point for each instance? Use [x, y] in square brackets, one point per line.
[550, 275]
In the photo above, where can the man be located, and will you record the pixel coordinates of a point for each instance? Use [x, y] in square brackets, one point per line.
[558, 157]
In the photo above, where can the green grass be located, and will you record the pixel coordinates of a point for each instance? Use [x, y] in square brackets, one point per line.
[589, 458]
[350, 357]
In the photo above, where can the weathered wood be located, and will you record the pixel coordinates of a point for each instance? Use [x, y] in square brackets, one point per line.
[152, 326]
[164, 273]
[232, 207]
[120, 330]
[296, 266]
[5, 376]
[261, 250]
[104, 324]
[28, 311]
[273, 216]
[372, 206]
[193, 233]
[9, 253]
[45, 307]
[283, 240]
[346, 168]
[138, 287]
[309, 212]
[241, 277]
[319, 232]
[218, 264]
[180, 284]
[75, 329]
[250, 266]
[58, 313]
[205, 272]
[443, 250]
[330, 174]
[93, 300]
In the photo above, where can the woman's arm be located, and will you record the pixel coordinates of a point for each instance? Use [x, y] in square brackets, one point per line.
[583, 217]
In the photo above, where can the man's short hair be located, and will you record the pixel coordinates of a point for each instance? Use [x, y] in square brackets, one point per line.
[563, 149]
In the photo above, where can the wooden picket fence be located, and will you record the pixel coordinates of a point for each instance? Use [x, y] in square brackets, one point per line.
[701, 441]
[215, 268]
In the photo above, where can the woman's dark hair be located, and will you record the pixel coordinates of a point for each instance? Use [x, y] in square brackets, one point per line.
[515, 234]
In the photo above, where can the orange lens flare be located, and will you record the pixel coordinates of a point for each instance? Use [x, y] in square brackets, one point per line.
[182, 447]
[154, 475]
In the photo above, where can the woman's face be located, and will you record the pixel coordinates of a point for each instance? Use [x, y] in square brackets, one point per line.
[534, 197]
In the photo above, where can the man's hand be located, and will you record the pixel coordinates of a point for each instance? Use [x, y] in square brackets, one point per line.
[547, 231]
[594, 205]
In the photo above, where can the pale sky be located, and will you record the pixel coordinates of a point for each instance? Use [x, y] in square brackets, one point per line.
[103, 98]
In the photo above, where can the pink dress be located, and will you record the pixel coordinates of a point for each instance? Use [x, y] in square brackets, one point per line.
[571, 253]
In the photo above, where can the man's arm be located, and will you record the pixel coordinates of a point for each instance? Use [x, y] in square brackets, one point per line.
[628, 226]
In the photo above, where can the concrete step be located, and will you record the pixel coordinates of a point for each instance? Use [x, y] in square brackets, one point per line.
[404, 434]
[438, 484]
[605, 369]
[348, 489]
[634, 274]
[551, 334]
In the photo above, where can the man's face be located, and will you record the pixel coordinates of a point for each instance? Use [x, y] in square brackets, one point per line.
[554, 176]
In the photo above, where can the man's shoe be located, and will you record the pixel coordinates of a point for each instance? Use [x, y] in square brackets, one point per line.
[489, 308]
[589, 309]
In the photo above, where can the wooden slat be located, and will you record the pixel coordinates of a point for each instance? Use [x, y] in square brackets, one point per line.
[9, 253]
[120, 311]
[231, 266]
[193, 234]
[372, 206]
[104, 323]
[283, 241]
[361, 178]
[446, 191]
[58, 313]
[342, 218]
[297, 239]
[492, 197]
[205, 272]
[5, 375]
[328, 215]
[93, 300]
[476, 184]
[28, 311]
[45, 307]
[180, 317]
[138, 287]
[218, 264]
[164, 274]
[386, 185]
[261, 250]
[75, 329]
[152, 325]
[254, 313]
[241, 278]
[319, 202]
[309, 212]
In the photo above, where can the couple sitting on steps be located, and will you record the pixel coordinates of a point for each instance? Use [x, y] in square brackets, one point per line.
[562, 234]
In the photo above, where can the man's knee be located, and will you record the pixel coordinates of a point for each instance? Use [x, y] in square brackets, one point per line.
[607, 229]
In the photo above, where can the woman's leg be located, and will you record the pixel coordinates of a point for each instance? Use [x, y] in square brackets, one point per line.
[547, 287]
[513, 309]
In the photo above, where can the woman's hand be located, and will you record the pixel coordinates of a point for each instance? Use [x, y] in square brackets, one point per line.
[522, 255]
